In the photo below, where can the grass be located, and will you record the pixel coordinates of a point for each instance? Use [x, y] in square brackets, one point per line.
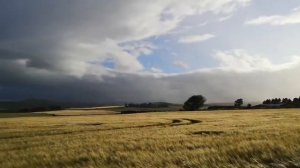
[74, 138]
[131, 110]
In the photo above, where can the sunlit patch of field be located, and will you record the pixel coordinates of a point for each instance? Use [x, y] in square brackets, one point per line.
[254, 138]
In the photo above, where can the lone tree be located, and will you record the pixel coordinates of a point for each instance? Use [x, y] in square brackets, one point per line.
[194, 103]
[238, 103]
[249, 106]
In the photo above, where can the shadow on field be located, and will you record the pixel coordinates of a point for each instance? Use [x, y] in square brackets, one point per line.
[184, 121]
[90, 124]
[17, 115]
[208, 133]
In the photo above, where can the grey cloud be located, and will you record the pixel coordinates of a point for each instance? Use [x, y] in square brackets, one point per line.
[49, 32]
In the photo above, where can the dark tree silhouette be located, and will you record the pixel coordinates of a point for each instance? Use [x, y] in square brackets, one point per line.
[268, 101]
[238, 103]
[285, 102]
[194, 103]
[249, 106]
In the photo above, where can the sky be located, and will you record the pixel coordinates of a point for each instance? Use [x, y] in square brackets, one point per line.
[140, 50]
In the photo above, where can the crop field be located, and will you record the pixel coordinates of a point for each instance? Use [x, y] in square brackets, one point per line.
[100, 138]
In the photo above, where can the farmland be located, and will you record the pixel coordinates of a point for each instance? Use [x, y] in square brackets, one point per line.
[105, 138]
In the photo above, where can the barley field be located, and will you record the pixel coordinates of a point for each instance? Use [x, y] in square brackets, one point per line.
[98, 138]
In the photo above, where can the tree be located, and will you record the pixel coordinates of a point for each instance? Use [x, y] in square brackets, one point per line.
[249, 106]
[238, 103]
[295, 101]
[194, 103]
[286, 101]
[268, 101]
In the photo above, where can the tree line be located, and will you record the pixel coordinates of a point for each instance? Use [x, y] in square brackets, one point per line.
[285, 102]
[197, 101]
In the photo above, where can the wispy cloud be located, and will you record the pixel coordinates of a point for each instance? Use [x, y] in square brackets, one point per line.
[155, 70]
[241, 61]
[181, 65]
[195, 38]
[277, 20]
[222, 19]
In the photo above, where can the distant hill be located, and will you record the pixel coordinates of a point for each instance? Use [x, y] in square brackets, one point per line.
[32, 105]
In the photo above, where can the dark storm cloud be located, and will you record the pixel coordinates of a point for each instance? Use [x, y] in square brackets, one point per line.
[216, 85]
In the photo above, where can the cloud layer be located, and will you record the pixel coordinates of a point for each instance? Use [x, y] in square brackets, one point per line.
[93, 51]
[221, 84]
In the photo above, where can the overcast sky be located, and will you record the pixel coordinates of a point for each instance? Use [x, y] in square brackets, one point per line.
[141, 50]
